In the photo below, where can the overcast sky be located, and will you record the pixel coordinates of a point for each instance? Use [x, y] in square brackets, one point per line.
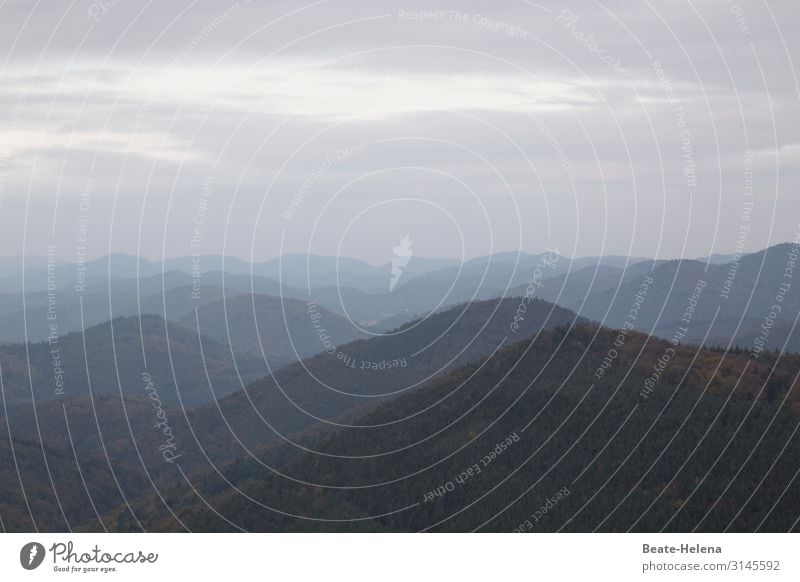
[336, 127]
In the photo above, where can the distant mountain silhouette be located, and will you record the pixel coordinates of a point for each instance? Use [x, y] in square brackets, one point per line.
[283, 330]
[729, 302]
[116, 355]
[121, 285]
[171, 295]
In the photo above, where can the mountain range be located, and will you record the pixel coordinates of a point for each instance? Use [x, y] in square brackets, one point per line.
[628, 394]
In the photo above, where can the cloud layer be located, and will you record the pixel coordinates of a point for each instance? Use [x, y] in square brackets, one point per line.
[654, 128]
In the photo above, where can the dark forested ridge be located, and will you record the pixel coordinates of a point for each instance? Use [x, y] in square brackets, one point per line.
[336, 384]
[484, 417]
[77, 458]
[85, 420]
[217, 432]
[531, 440]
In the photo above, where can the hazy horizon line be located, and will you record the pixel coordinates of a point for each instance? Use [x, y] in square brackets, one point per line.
[388, 261]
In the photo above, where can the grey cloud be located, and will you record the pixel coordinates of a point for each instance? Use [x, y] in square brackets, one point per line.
[733, 74]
